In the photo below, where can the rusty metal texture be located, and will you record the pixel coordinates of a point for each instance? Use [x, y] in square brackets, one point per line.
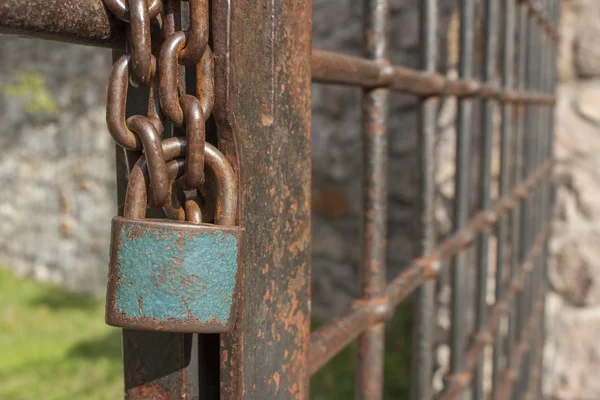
[157, 168]
[88, 22]
[195, 127]
[120, 8]
[328, 340]
[175, 277]
[85, 22]
[424, 310]
[484, 337]
[197, 36]
[375, 109]
[491, 22]
[258, 81]
[461, 205]
[506, 138]
[168, 77]
[330, 67]
[139, 31]
[262, 110]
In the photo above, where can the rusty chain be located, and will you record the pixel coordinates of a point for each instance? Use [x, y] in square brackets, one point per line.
[167, 100]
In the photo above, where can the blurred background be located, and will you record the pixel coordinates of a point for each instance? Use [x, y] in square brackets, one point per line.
[58, 195]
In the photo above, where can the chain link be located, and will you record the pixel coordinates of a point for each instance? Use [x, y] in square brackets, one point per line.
[169, 178]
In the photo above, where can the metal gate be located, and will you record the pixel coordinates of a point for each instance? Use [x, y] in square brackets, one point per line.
[264, 68]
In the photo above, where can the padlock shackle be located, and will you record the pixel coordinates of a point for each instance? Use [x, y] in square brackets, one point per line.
[174, 148]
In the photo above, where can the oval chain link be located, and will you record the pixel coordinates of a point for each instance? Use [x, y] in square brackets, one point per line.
[166, 100]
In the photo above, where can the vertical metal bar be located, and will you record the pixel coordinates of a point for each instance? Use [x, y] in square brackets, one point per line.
[265, 133]
[461, 192]
[516, 233]
[490, 23]
[369, 383]
[527, 206]
[505, 143]
[422, 354]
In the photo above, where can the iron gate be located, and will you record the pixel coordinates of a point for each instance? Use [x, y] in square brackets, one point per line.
[264, 68]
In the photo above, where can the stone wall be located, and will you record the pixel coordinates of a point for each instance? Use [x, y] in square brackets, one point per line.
[57, 163]
[573, 349]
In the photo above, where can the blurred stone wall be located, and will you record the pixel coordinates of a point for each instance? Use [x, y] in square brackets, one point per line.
[57, 164]
[573, 348]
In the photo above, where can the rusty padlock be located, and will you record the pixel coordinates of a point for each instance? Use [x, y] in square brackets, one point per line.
[175, 276]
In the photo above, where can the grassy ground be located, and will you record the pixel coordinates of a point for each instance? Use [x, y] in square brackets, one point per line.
[54, 345]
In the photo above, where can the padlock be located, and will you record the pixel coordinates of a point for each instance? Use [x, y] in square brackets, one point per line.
[175, 276]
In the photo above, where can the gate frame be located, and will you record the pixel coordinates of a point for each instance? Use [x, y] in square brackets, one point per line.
[263, 114]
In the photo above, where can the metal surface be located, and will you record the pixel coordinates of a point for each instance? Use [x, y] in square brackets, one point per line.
[173, 276]
[369, 376]
[332, 337]
[262, 109]
[461, 205]
[507, 136]
[424, 310]
[329, 67]
[491, 24]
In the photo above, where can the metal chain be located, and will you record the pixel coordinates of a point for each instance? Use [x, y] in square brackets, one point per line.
[166, 99]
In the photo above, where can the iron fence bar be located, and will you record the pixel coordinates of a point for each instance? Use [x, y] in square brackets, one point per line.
[517, 286]
[424, 314]
[527, 209]
[507, 125]
[266, 135]
[516, 232]
[491, 24]
[332, 337]
[461, 206]
[369, 375]
[336, 68]
[536, 350]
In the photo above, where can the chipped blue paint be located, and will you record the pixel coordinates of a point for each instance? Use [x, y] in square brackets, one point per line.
[176, 276]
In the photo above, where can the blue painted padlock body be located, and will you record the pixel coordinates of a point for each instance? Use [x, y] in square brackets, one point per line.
[171, 276]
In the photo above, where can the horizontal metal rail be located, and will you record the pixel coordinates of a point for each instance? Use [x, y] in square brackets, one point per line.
[73, 21]
[475, 352]
[88, 22]
[510, 375]
[336, 68]
[334, 336]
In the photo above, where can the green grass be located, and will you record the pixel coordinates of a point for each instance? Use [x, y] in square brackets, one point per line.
[54, 345]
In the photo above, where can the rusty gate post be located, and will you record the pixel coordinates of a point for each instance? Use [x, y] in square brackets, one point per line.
[262, 59]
